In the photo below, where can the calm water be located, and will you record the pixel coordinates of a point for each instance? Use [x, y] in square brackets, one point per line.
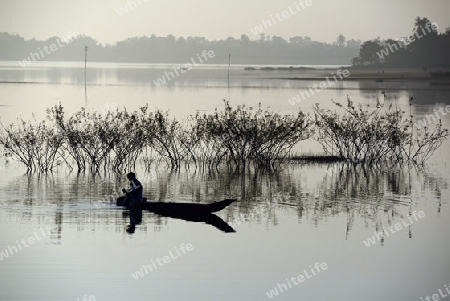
[285, 221]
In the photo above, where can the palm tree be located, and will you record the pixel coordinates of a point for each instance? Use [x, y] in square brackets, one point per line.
[421, 23]
[340, 40]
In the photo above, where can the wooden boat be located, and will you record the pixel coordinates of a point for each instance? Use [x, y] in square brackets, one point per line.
[192, 212]
[182, 208]
[185, 208]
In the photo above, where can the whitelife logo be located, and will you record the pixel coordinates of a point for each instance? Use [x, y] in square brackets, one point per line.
[303, 94]
[39, 55]
[391, 48]
[158, 262]
[279, 17]
[25, 243]
[398, 226]
[318, 267]
[437, 297]
[428, 119]
[131, 5]
[184, 68]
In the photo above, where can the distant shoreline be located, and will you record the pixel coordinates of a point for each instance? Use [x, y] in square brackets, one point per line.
[374, 74]
[285, 72]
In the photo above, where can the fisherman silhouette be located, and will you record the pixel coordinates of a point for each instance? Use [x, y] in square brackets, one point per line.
[133, 198]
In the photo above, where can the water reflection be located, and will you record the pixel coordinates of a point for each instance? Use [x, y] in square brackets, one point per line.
[312, 192]
[209, 219]
[210, 76]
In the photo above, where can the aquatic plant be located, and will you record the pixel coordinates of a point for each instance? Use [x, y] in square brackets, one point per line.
[234, 136]
[166, 137]
[374, 135]
[244, 134]
[89, 137]
[424, 142]
[35, 144]
[130, 138]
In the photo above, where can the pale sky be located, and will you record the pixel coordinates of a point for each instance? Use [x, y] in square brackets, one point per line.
[324, 20]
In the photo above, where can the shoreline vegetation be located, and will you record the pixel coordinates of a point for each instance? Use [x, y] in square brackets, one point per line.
[234, 137]
[371, 73]
[177, 50]
[419, 55]
[357, 73]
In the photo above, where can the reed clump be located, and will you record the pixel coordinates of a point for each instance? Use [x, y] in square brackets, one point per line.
[242, 135]
[234, 136]
[117, 138]
[376, 135]
[35, 144]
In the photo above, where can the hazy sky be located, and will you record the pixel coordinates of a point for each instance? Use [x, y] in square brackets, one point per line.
[324, 20]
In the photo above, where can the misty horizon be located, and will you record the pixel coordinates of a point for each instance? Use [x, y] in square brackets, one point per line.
[203, 150]
[213, 21]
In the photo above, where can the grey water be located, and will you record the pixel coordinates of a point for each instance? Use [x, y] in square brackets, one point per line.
[285, 220]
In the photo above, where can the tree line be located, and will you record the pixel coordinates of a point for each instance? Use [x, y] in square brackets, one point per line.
[425, 46]
[170, 49]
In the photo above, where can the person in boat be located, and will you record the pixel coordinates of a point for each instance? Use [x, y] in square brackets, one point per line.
[134, 197]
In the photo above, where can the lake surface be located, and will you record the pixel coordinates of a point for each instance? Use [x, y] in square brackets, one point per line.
[285, 221]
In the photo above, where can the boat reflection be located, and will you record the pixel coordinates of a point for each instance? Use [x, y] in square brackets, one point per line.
[210, 219]
[365, 197]
[191, 212]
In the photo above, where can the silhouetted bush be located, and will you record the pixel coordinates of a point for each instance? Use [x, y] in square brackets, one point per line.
[375, 135]
[239, 136]
[35, 144]
[246, 134]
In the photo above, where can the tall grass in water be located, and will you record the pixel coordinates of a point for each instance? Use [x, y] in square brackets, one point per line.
[117, 139]
[242, 135]
[375, 135]
[235, 137]
[35, 144]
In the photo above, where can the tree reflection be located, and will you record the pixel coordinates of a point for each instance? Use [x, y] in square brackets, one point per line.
[371, 197]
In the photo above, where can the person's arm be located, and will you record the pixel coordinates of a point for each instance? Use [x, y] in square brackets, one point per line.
[132, 187]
